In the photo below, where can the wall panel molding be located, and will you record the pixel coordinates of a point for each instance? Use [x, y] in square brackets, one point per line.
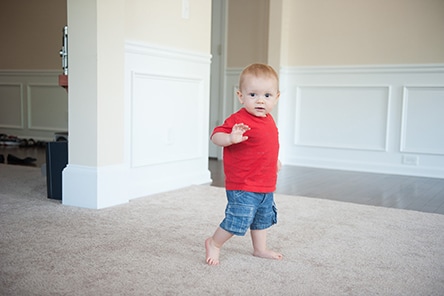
[11, 106]
[230, 102]
[382, 118]
[36, 106]
[323, 121]
[166, 118]
[422, 114]
[47, 107]
[174, 141]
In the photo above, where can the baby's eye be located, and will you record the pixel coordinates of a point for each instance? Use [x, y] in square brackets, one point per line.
[268, 95]
[252, 95]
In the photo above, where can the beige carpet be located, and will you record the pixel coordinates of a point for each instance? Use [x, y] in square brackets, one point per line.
[155, 246]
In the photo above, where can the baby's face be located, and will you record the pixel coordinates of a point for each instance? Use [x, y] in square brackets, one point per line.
[259, 95]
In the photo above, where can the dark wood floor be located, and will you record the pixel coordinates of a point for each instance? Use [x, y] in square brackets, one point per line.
[403, 192]
[394, 191]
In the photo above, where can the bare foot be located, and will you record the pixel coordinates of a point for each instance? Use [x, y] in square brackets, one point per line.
[269, 254]
[212, 252]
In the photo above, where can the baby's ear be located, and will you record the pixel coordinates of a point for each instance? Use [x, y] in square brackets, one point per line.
[278, 95]
[240, 97]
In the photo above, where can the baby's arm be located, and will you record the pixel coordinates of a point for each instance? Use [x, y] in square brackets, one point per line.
[236, 135]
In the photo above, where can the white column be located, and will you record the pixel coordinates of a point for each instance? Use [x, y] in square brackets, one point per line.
[96, 101]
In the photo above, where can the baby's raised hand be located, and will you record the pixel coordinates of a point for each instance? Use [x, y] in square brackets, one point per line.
[237, 133]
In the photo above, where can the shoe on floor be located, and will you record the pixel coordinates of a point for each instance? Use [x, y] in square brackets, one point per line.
[21, 161]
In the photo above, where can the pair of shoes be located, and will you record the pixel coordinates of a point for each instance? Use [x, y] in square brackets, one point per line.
[2, 158]
[27, 142]
[21, 161]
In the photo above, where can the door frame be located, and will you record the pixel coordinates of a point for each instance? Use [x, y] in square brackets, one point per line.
[218, 66]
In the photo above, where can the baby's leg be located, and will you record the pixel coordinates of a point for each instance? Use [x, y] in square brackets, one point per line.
[259, 239]
[213, 245]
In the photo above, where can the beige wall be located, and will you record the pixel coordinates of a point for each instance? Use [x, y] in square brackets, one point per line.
[31, 31]
[247, 40]
[31, 34]
[347, 32]
[336, 32]
[161, 22]
[315, 32]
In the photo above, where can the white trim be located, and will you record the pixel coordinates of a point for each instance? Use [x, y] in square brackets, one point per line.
[29, 99]
[369, 167]
[23, 72]
[299, 142]
[154, 50]
[22, 111]
[93, 187]
[364, 69]
[405, 108]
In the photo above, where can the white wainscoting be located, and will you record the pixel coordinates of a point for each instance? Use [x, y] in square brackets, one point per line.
[173, 105]
[385, 119]
[166, 118]
[231, 102]
[322, 111]
[423, 120]
[32, 104]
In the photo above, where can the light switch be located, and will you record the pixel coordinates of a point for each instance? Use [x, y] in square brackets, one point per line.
[186, 9]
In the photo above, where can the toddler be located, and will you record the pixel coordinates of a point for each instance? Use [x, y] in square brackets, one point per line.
[250, 158]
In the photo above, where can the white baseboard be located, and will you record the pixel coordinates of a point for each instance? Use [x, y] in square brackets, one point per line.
[92, 187]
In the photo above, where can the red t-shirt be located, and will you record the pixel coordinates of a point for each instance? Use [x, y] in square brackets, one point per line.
[252, 164]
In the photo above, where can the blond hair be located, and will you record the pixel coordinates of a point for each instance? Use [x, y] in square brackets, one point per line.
[258, 70]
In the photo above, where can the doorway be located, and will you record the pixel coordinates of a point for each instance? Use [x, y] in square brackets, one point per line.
[218, 64]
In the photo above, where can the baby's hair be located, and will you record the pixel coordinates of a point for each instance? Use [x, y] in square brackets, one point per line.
[257, 70]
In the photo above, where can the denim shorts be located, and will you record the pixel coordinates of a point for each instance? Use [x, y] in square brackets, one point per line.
[248, 210]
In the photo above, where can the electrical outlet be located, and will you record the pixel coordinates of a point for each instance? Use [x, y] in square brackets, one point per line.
[410, 159]
[170, 138]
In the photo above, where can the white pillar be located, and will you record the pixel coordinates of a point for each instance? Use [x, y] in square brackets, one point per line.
[96, 103]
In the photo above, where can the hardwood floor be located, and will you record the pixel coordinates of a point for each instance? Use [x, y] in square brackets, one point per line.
[394, 191]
